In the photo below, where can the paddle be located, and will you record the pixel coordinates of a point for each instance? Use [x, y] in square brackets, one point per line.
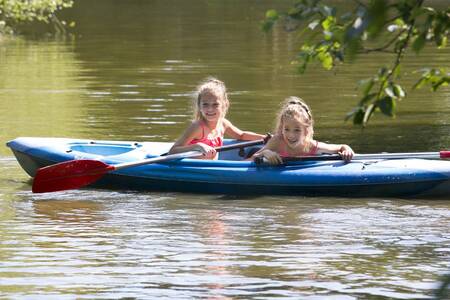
[445, 154]
[74, 174]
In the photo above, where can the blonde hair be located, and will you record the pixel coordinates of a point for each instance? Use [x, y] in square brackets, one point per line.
[296, 108]
[213, 86]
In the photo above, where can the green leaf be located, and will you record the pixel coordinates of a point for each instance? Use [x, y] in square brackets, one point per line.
[389, 90]
[434, 77]
[357, 114]
[438, 30]
[339, 55]
[419, 42]
[313, 24]
[272, 14]
[326, 59]
[396, 71]
[387, 106]
[305, 56]
[328, 23]
[367, 98]
[271, 18]
[420, 83]
[377, 15]
[443, 42]
[398, 91]
[444, 81]
[328, 11]
[368, 113]
[366, 85]
[294, 12]
[327, 35]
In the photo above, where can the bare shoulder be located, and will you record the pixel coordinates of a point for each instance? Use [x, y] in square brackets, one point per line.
[226, 123]
[195, 124]
[193, 131]
[195, 128]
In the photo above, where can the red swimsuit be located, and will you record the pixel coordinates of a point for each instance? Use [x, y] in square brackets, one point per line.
[312, 151]
[210, 141]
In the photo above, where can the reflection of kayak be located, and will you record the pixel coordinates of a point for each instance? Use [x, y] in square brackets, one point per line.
[231, 175]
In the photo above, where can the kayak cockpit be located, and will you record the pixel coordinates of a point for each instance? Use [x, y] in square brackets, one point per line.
[67, 149]
[150, 149]
[103, 148]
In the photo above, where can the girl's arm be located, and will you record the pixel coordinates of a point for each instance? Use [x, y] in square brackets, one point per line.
[235, 133]
[345, 151]
[192, 132]
[270, 151]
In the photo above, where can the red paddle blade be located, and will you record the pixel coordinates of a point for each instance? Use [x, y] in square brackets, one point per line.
[69, 175]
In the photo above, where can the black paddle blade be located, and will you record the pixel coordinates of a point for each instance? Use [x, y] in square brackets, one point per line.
[69, 175]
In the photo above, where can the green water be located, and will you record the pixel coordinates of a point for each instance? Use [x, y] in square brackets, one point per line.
[128, 74]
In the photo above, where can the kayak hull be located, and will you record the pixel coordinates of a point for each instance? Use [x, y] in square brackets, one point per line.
[231, 175]
[376, 190]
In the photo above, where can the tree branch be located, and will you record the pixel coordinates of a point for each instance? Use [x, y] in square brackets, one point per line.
[387, 45]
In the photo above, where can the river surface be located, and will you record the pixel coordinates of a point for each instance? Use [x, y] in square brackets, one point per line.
[127, 74]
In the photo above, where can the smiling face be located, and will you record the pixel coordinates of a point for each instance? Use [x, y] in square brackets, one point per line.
[295, 125]
[211, 108]
[211, 101]
[293, 132]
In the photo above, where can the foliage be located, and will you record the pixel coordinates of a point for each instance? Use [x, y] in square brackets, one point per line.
[16, 12]
[393, 26]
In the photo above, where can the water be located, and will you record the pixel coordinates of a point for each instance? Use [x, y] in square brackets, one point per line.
[128, 75]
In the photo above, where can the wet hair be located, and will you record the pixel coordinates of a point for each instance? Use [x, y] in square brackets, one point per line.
[213, 86]
[296, 108]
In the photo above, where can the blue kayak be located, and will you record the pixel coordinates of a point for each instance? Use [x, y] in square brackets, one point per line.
[231, 174]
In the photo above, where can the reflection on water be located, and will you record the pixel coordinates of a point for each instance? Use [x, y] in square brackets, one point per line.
[60, 210]
[124, 244]
[128, 75]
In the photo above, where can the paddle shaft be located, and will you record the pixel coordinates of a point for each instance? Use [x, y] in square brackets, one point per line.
[182, 155]
[423, 155]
